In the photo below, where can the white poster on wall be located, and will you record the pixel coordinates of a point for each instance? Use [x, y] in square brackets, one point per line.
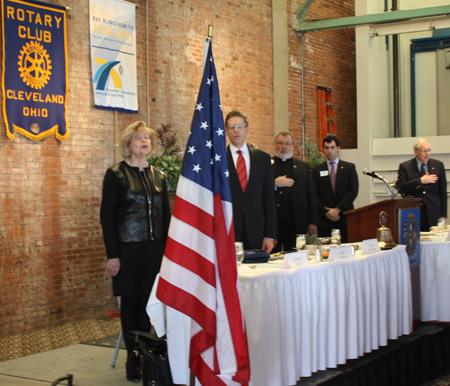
[113, 54]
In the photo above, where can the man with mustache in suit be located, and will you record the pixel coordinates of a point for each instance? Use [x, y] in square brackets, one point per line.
[294, 194]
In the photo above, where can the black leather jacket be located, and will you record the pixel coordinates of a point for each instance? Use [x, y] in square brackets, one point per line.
[135, 206]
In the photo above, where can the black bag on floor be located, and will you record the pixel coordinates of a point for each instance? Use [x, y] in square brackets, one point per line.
[68, 378]
[153, 359]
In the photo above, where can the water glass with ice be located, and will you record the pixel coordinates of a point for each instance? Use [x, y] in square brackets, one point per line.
[335, 236]
[300, 242]
[239, 246]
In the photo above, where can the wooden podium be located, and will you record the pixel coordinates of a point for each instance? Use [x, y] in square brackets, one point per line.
[362, 223]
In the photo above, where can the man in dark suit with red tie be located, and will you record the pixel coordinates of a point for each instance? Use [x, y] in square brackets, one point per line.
[336, 185]
[424, 177]
[252, 187]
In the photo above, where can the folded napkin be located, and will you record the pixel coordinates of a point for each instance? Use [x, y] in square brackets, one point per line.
[252, 256]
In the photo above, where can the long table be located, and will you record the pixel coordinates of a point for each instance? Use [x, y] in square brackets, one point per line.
[312, 317]
[435, 280]
[316, 317]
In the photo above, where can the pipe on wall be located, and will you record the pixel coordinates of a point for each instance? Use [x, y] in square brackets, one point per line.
[395, 79]
[303, 99]
[146, 63]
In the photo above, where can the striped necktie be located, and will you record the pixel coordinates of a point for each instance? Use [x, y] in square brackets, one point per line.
[241, 170]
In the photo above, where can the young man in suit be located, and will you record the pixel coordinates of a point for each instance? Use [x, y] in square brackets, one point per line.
[424, 177]
[336, 185]
[294, 194]
[252, 187]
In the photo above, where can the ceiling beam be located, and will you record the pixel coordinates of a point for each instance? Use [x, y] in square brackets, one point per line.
[371, 19]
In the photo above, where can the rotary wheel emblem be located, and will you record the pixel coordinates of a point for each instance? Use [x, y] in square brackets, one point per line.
[410, 233]
[382, 219]
[34, 65]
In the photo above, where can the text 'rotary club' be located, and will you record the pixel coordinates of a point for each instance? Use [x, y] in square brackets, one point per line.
[36, 18]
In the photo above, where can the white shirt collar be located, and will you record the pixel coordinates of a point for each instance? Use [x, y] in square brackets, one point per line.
[336, 162]
[234, 149]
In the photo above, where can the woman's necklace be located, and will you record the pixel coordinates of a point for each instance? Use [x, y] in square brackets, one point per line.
[128, 161]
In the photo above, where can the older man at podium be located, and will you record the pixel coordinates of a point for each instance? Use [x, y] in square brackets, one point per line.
[424, 177]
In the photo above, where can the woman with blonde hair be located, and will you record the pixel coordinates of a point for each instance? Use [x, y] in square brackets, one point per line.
[135, 215]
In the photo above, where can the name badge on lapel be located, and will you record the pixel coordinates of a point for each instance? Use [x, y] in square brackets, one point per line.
[324, 173]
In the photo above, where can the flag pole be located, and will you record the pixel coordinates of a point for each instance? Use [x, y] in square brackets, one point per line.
[210, 31]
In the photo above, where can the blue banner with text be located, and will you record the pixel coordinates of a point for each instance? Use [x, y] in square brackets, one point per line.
[35, 73]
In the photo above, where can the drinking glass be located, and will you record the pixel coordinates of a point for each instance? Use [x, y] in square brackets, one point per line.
[441, 224]
[335, 236]
[239, 246]
[325, 251]
[300, 242]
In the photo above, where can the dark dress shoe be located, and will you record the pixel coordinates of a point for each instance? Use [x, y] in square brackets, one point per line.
[133, 373]
[134, 378]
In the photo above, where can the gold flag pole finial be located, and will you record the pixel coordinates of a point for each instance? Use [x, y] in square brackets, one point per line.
[210, 28]
[65, 6]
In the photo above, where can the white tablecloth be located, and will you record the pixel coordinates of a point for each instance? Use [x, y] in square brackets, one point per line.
[309, 318]
[315, 317]
[435, 280]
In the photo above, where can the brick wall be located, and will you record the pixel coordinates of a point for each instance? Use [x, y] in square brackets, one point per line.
[52, 260]
[329, 61]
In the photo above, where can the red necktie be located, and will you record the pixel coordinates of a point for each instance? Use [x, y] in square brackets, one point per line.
[333, 175]
[241, 170]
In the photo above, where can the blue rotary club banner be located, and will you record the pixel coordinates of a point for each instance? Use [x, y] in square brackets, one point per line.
[113, 54]
[409, 233]
[35, 74]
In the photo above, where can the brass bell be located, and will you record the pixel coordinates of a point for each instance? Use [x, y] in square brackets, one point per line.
[384, 234]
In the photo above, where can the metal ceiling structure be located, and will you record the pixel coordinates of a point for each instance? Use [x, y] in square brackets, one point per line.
[393, 17]
[371, 19]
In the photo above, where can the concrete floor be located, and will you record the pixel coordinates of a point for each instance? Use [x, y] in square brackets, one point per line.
[90, 366]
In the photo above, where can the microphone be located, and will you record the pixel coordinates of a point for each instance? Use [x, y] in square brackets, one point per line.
[391, 189]
[373, 175]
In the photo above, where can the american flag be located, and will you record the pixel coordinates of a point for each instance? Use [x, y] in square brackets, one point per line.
[198, 274]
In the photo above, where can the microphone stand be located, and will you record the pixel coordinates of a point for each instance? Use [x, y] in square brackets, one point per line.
[391, 189]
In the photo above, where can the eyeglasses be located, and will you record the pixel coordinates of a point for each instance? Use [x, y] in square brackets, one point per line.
[284, 143]
[425, 151]
[232, 127]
